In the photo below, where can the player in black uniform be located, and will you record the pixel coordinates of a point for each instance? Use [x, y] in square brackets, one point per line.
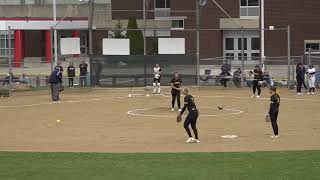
[192, 116]
[274, 110]
[176, 84]
[258, 77]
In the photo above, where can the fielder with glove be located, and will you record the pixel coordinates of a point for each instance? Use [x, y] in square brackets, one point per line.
[191, 118]
[274, 111]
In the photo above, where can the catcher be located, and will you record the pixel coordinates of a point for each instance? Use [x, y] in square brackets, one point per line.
[273, 111]
[191, 118]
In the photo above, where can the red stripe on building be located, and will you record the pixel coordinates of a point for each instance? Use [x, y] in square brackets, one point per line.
[18, 47]
[48, 46]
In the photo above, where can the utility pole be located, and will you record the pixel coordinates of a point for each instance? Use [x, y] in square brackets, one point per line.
[198, 40]
[144, 28]
[90, 25]
[289, 56]
[55, 33]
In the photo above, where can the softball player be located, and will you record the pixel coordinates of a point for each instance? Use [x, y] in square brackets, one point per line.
[176, 87]
[192, 117]
[274, 111]
[157, 78]
[311, 79]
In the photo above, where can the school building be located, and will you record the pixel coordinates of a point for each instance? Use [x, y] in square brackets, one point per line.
[220, 35]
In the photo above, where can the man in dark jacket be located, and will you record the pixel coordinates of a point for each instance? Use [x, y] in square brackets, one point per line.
[83, 73]
[71, 71]
[55, 80]
[300, 71]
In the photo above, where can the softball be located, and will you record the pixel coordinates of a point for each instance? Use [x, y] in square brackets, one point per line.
[148, 95]
[58, 121]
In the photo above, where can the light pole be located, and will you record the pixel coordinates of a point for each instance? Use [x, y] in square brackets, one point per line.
[55, 34]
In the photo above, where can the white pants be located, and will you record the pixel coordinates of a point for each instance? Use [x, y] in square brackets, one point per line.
[312, 81]
[156, 88]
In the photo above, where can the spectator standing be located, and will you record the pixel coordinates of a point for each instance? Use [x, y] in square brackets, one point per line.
[71, 71]
[83, 73]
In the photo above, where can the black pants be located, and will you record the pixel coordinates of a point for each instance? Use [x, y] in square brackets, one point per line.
[83, 80]
[256, 86]
[71, 82]
[237, 82]
[175, 95]
[192, 119]
[299, 85]
[223, 82]
[274, 118]
[304, 85]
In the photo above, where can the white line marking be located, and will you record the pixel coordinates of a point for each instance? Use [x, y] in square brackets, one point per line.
[134, 113]
[235, 97]
[62, 102]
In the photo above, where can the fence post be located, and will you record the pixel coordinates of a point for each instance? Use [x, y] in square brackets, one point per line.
[289, 58]
[10, 61]
[37, 81]
[145, 74]
[242, 55]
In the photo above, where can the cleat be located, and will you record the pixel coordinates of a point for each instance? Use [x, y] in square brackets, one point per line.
[172, 110]
[275, 137]
[190, 140]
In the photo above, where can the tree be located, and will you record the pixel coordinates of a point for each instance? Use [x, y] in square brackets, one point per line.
[135, 36]
[118, 32]
[154, 43]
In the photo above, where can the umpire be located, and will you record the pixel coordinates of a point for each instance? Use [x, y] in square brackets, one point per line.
[55, 80]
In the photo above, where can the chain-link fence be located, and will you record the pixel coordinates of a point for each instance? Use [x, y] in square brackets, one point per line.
[134, 71]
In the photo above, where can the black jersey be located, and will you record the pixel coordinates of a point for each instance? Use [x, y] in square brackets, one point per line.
[176, 82]
[60, 68]
[189, 103]
[274, 103]
[258, 75]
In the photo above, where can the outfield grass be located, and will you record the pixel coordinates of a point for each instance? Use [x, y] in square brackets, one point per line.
[303, 165]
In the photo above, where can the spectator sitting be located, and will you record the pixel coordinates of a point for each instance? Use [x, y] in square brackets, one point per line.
[237, 78]
[6, 79]
[267, 78]
[225, 71]
[24, 79]
[250, 79]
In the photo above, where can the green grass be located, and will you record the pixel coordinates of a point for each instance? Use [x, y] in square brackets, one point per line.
[303, 165]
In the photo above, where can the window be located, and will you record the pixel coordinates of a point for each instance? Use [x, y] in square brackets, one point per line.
[253, 2]
[162, 3]
[229, 56]
[249, 8]
[249, 2]
[312, 46]
[240, 56]
[245, 44]
[4, 45]
[229, 43]
[83, 43]
[177, 24]
[255, 44]
[255, 56]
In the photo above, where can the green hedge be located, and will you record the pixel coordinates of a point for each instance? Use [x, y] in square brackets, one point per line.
[4, 92]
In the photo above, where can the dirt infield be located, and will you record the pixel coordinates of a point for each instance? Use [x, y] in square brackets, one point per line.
[97, 120]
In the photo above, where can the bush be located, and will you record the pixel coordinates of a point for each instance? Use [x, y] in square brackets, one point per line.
[4, 93]
[136, 37]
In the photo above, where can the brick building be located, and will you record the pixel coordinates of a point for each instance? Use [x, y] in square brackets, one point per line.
[32, 19]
